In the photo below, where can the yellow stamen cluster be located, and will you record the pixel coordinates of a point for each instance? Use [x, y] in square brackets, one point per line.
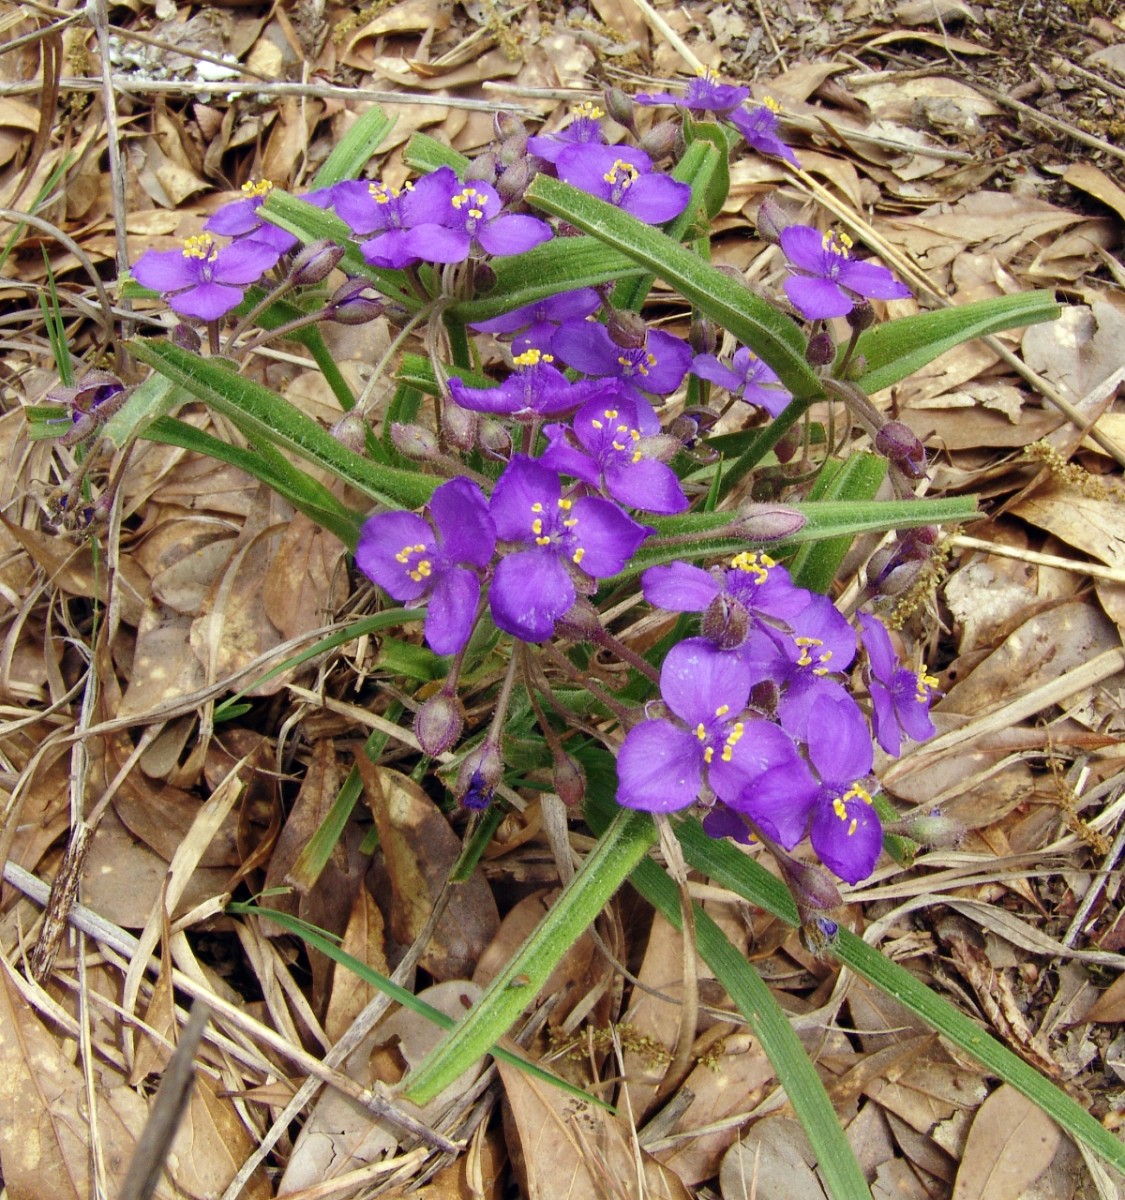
[253, 189]
[754, 564]
[734, 736]
[641, 368]
[532, 358]
[622, 173]
[772, 104]
[201, 246]
[839, 805]
[587, 109]
[925, 684]
[382, 193]
[470, 196]
[422, 569]
[805, 644]
[837, 242]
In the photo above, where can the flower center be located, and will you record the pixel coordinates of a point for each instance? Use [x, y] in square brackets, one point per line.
[472, 201]
[808, 657]
[925, 684]
[754, 564]
[587, 111]
[532, 358]
[840, 805]
[720, 734]
[636, 362]
[620, 437]
[835, 242]
[620, 177]
[257, 190]
[417, 567]
[551, 528]
[201, 246]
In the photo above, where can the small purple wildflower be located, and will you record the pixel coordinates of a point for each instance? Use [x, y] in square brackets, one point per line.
[553, 540]
[826, 279]
[610, 454]
[748, 377]
[901, 698]
[536, 323]
[704, 94]
[665, 765]
[759, 125]
[202, 280]
[584, 130]
[657, 367]
[535, 389]
[392, 215]
[240, 219]
[623, 176]
[413, 559]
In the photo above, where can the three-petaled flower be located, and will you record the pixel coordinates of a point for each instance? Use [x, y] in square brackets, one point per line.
[657, 367]
[203, 280]
[623, 176]
[828, 279]
[535, 389]
[584, 129]
[748, 377]
[900, 697]
[241, 218]
[553, 541]
[414, 560]
[760, 126]
[704, 94]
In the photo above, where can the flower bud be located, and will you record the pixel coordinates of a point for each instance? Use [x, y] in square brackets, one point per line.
[661, 140]
[512, 184]
[932, 829]
[857, 367]
[821, 349]
[861, 316]
[187, 339]
[726, 622]
[626, 329]
[351, 431]
[703, 336]
[506, 125]
[316, 261]
[511, 151]
[479, 775]
[484, 278]
[619, 105]
[414, 441]
[901, 445]
[482, 169]
[788, 446]
[494, 439]
[772, 219]
[818, 935]
[813, 888]
[570, 780]
[354, 303]
[769, 522]
[460, 427]
[580, 622]
[438, 723]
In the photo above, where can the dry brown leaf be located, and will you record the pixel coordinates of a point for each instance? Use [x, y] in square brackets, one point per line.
[566, 1149]
[304, 583]
[419, 848]
[1109, 1007]
[773, 1158]
[1011, 1143]
[1092, 524]
[364, 940]
[164, 665]
[210, 1146]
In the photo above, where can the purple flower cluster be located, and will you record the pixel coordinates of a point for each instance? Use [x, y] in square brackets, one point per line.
[759, 722]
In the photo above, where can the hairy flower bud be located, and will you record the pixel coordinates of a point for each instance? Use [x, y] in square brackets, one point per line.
[479, 775]
[187, 339]
[627, 329]
[726, 622]
[460, 427]
[354, 303]
[494, 439]
[438, 724]
[570, 780]
[769, 522]
[414, 441]
[506, 125]
[482, 169]
[512, 184]
[619, 105]
[788, 446]
[511, 151]
[580, 622]
[861, 316]
[772, 219]
[821, 349]
[703, 336]
[661, 140]
[316, 261]
[351, 431]
[484, 278]
[901, 445]
[932, 829]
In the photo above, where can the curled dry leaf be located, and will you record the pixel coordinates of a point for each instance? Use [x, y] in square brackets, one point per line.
[1011, 1143]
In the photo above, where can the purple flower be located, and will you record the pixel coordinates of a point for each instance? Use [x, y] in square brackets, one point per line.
[664, 765]
[827, 279]
[610, 454]
[759, 126]
[901, 698]
[623, 176]
[392, 214]
[584, 129]
[554, 540]
[202, 280]
[752, 591]
[534, 389]
[657, 367]
[454, 217]
[747, 376]
[704, 94]
[537, 323]
[839, 815]
[240, 218]
[413, 560]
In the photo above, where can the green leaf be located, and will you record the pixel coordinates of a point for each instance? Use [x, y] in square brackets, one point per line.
[857, 478]
[622, 846]
[356, 148]
[718, 185]
[895, 349]
[270, 419]
[770, 334]
[425, 154]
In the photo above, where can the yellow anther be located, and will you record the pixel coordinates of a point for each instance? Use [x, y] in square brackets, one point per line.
[610, 414]
[722, 710]
[772, 104]
[542, 541]
[262, 187]
[566, 505]
[597, 424]
[853, 826]
[618, 445]
[537, 526]
[840, 808]
[836, 242]
[708, 754]
[578, 556]
[471, 197]
[621, 172]
[701, 732]
[422, 570]
[537, 507]
[532, 358]
[201, 246]
[570, 522]
[925, 684]
[587, 109]
[857, 792]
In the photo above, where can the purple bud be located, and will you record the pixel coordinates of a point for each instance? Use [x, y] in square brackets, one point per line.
[479, 776]
[351, 431]
[726, 622]
[861, 316]
[661, 140]
[821, 349]
[769, 522]
[414, 441]
[484, 278]
[627, 329]
[619, 105]
[460, 427]
[812, 886]
[187, 339]
[514, 182]
[932, 829]
[703, 336]
[482, 169]
[901, 445]
[438, 724]
[506, 125]
[354, 303]
[316, 261]
[772, 219]
[580, 622]
[788, 446]
[570, 780]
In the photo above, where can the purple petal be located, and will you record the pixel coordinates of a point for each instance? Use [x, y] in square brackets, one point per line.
[235, 218]
[839, 742]
[429, 200]
[380, 553]
[762, 748]
[586, 346]
[244, 261]
[803, 246]
[659, 768]
[523, 485]
[673, 357]
[530, 591]
[679, 587]
[460, 513]
[513, 233]
[877, 643]
[696, 679]
[561, 456]
[206, 301]
[391, 250]
[452, 607]
[848, 844]
[437, 244]
[605, 537]
[708, 367]
[871, 280]
[817, 299]
[648, 485]
[655, 199]
[166, 270]
[780, 803]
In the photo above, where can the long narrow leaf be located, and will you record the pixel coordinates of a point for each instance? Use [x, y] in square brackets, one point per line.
[355, 149]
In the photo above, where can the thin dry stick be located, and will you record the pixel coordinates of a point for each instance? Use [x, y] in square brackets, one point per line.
[662, 29]
[1093, 570]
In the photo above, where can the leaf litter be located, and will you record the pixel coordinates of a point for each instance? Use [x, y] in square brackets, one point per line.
[210, 579]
